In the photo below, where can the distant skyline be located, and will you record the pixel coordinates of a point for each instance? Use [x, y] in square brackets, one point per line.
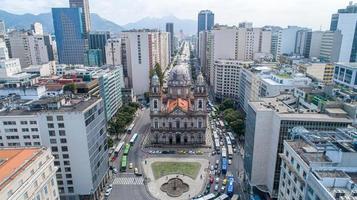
[309, 13]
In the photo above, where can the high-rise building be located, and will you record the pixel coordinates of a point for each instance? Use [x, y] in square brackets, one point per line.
[268, 123]
[29, 48]
[27, 173]
[315, 44]
[170, 29]
[4, 53]
[61, 125]
[69, 35]
[330, 46]
[84, 5]
[143, 50]
[51, 47]
[287, 40]
[93, 57]
[345, 20]
[98, 40]
[113, 51]
[205, 20]
[37, 28]
[2, 29]
[303, 42]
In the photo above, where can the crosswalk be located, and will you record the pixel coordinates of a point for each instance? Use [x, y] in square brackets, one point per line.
[128, 181]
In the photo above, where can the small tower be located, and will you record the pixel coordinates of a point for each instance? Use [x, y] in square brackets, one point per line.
[200, 94]
[155, 94]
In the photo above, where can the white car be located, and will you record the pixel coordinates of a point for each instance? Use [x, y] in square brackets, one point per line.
[130, 165]
[216, 187]
[115, 171]
[212, 167]
[229, 162]
[107, 193]
[217, 180]
[108, 190]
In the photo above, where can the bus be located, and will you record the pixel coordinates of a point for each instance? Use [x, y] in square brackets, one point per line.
[126, 149]
[230, 186]
[224, 165]
[130, 128]
[222, 197]
[118, 148]
[233, 140]
[235, 197]
[228, 140]
[132, 140]
[230, 151]
[207, 197]
[215, 135]
[123, 163]
[224, 152]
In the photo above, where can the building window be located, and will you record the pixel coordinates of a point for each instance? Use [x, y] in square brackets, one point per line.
[63, 140]
[35, 137]
[25, 130]
[53, 141]
[54, 149]
[23, 122]
[177, 124]
[49, 118]
[52, 133]
[33, 122]
[60, 125]
[155, 104]
[64, 148]
[156, 124]
[65, 156]
[34, 129]
[200, 104]
[66, 162]
[70, 190]
[50, 125]
[62, 133]
[59, 118]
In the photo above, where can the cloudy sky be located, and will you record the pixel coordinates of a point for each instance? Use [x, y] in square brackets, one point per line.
[309, 13]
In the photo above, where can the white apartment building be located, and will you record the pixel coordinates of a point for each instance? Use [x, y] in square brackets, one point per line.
[27, 173]
[319, 165]
[268, 123]
[4, 53]
[9, 68]
[144, 49]
[61, 124]
[29, 48]
[45, 69]
[113, 51]
[287, 40]
[315, 45]
[37, 28]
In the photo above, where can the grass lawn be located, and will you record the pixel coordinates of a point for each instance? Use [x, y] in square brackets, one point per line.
[161, 169]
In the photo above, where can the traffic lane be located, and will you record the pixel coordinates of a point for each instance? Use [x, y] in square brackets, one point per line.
[129, 192]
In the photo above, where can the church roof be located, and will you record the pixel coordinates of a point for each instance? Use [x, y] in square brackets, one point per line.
[179, 75]
[172, 104]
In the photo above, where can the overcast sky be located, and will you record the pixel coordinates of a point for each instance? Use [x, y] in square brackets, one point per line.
[310, 13]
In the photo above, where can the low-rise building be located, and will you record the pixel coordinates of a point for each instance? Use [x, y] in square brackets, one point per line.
[27, 173]
[345, 74]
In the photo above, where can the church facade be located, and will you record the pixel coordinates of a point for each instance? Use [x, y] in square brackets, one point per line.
[180, 116]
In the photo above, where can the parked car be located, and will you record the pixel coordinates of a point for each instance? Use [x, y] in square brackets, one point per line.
[115, 171]
[223, 188]
[130, 165]
[212, 168]
[229, 161]
[217, 180]
[216, 187]
[224, 182]
[213, 153]
[107, 193]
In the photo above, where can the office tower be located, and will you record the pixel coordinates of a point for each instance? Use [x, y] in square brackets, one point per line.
[245, 25]
[303, 42]
[37, 28]
[330, 46]
[170, 29]
[202, 52]
[345, 20]
[319, 165]
[50, 46]
[97, 40]
[315, 45]
[93, 57]
[61, 124]
[205, 20]
[28, 47]
[27, 173]
[143, 50]
[268, 123]
[287, 40]
[69, 35]
[84, 5]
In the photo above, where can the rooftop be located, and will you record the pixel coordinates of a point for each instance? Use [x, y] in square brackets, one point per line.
[14, 161]
[346, 64]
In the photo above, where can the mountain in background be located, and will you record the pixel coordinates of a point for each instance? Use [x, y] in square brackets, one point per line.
[25, 21]
[14, 21]
[188, 26]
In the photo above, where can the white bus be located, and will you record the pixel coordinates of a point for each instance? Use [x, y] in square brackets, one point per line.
[130, 128]
[216, 144]
[222, 197]
[224, 152]
[230, 151]
[230, 134]
[132, 140]
[228, 140]
[207, 197]
[118, 148]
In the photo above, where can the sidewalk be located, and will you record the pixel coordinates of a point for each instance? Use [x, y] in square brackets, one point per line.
[195, 185]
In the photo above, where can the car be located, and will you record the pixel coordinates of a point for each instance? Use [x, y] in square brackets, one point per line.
[217, 180]
[151, 152]
[211, 179]
[172, 152]
[191, 152]
[235, 150]
[113, 158]
[223, 188]
[130, 165]
[216, 166]
[165, 152]
[217, 162]
[216, 187]
[109, 186]
[107, 194]
[199, 152]
[229, 161]
[212, 168]
[224, 182]
[208, 187]
[218, 172]
[115, 171]
[108, 190]
[213, 153]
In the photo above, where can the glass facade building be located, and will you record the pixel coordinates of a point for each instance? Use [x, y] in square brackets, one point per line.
[98, 40]
[69, 35]
[205, 20]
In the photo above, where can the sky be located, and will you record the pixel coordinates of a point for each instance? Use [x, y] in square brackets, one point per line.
[314, 14]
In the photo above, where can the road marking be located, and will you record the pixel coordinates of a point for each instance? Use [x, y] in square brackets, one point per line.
[128, 181]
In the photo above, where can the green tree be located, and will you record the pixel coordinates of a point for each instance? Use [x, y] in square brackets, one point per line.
[110, 142]
[71, 87]
[226, 104]
[159, 73]
[238, 126]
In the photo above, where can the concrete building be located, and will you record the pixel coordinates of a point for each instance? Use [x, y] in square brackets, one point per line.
[268, 124]
[98, 41]
[346, 74]
[113, 51]
[29, 48]
[2, 29]
[319, 165]
[27, 173]
[315, 45]
[287, 40]
[330, 46]
[303, 42]
[51, 47]
[93, 57]
[4, 53]
[346, 21]
[46, 69]
[143, 50]
[170, 29]
[70, 34]
[37, 28]
[319, 71]
[202, 51]
[61, 124]
[180, 117]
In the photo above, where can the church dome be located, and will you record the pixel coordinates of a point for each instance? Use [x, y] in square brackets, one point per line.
[155, 80]
[180, 75]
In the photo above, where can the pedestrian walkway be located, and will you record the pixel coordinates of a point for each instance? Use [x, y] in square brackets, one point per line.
[128, 181]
